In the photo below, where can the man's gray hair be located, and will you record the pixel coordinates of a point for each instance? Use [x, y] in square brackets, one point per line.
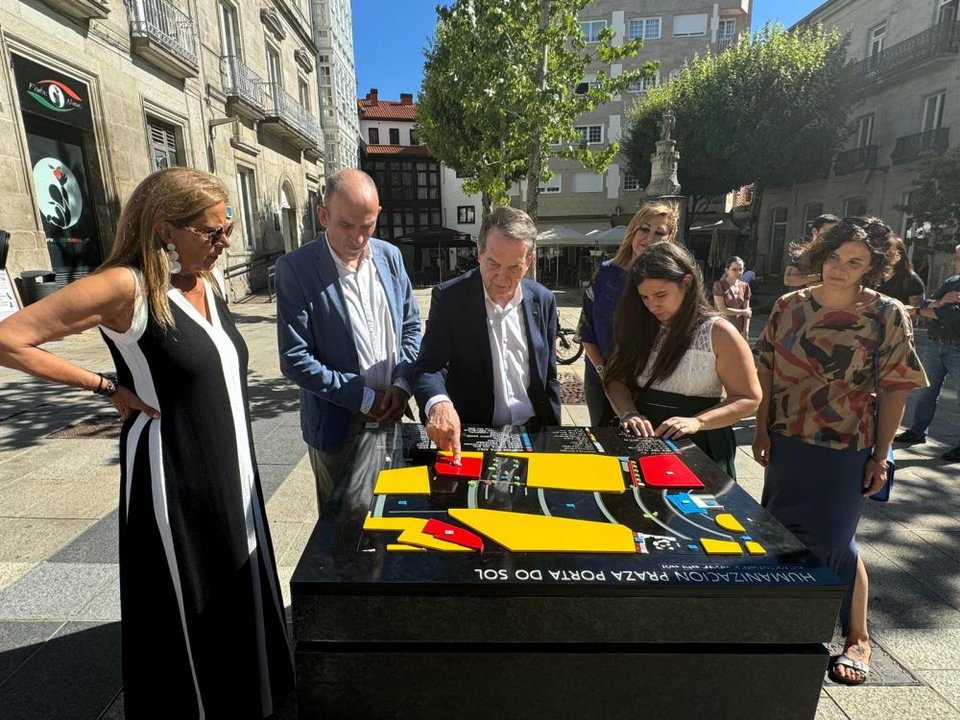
[333, 182]
[511, 222]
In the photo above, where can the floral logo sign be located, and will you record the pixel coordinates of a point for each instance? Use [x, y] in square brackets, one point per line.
[58, 194]
[55, 95]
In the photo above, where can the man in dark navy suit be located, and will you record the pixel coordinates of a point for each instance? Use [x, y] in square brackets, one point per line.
[487, 356]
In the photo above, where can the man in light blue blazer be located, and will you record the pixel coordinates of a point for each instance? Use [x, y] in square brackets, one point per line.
[348, 326]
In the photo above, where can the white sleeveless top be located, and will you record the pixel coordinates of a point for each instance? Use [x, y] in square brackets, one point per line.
[696, 374]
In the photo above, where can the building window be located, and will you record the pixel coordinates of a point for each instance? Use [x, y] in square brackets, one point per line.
[466, 214]
[689, 25]
[303, 90]
[273, 68]
[550, 186]
[583, 87]
[394, 136]
[229, 38]
[933, 111]
[373, 136]
[590, 134]
[865, 130]
[584, 182]
[326, 89]
[855, 207]
[726, 33]
[948, 11]
[876, 40]
[811, 211]
[644, 84]
[778, 235]
[246, 196]
[591, 30]
[644, 28]
[414, 140]
[631, 182]
[907, 231]
[163, 144]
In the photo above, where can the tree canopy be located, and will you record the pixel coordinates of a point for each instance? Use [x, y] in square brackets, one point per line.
[504, 83]
[770, 109]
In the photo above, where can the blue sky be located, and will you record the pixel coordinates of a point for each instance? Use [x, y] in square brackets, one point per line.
[389, 37]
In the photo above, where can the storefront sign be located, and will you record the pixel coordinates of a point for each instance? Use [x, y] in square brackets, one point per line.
[51, 94]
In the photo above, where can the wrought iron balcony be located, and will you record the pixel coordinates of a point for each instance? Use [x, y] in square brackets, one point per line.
[243, 87]
[81, 9]
[934, 42]
[861, 158]
[290, 120]
[165, 36]
[911, 148]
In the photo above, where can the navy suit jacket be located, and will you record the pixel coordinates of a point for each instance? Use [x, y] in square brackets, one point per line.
[315, 338]
[455, 358]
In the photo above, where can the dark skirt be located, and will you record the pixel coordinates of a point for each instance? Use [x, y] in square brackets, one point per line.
[720, 445]
[816, 493]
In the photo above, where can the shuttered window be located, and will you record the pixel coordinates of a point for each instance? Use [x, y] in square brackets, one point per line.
[163, 144]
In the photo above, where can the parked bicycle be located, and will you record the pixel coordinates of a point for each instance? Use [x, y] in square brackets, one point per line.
[569, 347]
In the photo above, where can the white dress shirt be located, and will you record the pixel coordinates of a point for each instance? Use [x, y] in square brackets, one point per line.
[372, 325]
[506, 333]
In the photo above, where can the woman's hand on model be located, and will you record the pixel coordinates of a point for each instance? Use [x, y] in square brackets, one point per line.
[761, 448]
[127, 404]
[677, 427]
[636, 424]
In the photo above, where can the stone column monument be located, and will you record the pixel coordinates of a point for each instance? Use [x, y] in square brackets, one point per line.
[664, 185]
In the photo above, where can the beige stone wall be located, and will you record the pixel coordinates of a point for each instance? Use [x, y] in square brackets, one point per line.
[124, 89]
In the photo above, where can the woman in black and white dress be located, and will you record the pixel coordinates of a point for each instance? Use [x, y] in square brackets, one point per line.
[202, 613]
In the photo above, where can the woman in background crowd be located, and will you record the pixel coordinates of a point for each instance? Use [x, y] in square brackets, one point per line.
[731, 296]
[901, 282]
[836, 363]
[203, 627]
[654, 222]
[678, 370]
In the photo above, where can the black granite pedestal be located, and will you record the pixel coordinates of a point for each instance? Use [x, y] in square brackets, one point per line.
[665, 632]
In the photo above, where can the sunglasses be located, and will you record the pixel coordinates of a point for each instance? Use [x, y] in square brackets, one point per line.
[211, 236]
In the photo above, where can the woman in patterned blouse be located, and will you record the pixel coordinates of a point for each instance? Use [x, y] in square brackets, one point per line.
[835, 363]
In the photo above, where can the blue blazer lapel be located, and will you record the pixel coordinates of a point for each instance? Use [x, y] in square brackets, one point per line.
[533, 315]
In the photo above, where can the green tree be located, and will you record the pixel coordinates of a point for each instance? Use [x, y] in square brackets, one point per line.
[770, 110]
[935, 199]
[504, 82]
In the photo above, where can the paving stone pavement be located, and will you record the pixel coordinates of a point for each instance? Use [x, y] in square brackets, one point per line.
[59, 602]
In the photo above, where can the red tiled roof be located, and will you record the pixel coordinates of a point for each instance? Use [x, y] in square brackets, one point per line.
[403, 150]
[386, 110]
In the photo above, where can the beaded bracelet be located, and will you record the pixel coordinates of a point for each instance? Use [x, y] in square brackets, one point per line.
[108, 385]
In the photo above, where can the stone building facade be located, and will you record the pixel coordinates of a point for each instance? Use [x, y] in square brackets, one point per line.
[99, 93]
[904, 69]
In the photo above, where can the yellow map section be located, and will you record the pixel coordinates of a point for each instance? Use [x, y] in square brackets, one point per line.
[411, 533]
[571, 471]
[729, 522]
[413, 480]
[521, 532]
[720, 547]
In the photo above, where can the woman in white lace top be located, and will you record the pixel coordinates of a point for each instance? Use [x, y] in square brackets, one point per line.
[678, 369]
